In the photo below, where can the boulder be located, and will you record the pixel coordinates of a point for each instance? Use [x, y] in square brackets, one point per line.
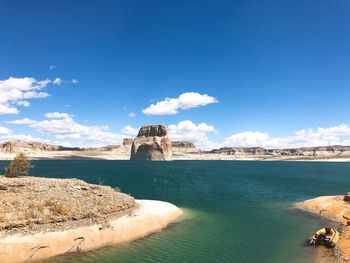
[151, 144]
[347, 197]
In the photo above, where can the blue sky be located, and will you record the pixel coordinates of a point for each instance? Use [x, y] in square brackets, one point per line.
[254, 73]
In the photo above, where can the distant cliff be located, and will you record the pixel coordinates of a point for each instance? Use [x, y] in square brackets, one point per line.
[180, 147]
[20, 146]
[322, 151]
[151, 144]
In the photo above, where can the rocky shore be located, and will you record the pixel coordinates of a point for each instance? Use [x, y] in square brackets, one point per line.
[44, 217]
[337, 211]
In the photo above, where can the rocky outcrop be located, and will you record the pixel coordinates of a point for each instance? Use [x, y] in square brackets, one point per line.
[180, 147]
[34, 204]
[151, 144]
[347, 197]
[42, 217]
[128, 141]
[240, 151]
[182, 144]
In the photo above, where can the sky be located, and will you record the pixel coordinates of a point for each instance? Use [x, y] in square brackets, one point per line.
[274, 74]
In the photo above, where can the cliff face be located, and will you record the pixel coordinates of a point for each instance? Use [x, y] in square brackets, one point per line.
[182, 144]
[180, 147]
[323, 151]
[151, 144]
[24, 147]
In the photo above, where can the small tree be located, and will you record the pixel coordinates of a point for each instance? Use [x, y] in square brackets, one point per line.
[20, 165]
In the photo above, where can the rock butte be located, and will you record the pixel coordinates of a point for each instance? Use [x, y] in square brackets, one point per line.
[47, 217]
[152, 144]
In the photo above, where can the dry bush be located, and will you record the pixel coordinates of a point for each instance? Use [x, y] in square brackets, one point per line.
[20, 165]
[31, 214]
[2, 218]
[35, 211]
[50, 201]
[60, 209]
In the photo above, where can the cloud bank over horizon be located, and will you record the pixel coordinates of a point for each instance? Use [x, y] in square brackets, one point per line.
[334, 135]
[65, 130]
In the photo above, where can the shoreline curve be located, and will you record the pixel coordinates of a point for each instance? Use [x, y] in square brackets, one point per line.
[151, 216]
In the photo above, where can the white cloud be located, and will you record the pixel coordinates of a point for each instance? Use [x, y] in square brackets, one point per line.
[8, 110]
[18, 91]
[130, 131]
[66, 129]
[132, 115]
[23, 103]
[52, 67]
[22, 121]
[22, 137]
[334, 135]
[189, 131]
[57, 81]
[4, 131]
[8, 135]
[57, 115]
[185, 101]
[248, 138]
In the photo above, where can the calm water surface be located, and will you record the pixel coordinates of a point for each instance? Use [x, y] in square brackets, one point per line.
[237, 211]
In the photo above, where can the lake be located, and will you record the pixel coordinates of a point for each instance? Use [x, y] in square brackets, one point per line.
[236, 211]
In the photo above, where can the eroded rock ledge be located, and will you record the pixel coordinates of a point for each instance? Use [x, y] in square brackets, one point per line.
[44, 217]
[32, 204]
[149, 217]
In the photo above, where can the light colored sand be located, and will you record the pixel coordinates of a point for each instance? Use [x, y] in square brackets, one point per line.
[152, 216]
[333, 208]
[58, 155]
[121, 155]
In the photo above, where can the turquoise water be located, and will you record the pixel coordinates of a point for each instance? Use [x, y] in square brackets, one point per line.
[237, 211]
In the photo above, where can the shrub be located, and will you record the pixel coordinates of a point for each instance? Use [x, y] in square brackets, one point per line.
[20, 165]
[60, 209]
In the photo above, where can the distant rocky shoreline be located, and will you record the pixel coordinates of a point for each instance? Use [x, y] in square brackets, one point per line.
[153, 144]
[181, 150]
